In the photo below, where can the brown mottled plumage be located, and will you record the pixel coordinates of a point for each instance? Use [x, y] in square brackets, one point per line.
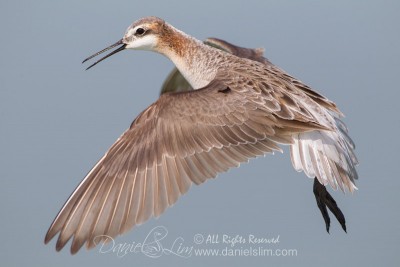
[175, 82]
[242, 108]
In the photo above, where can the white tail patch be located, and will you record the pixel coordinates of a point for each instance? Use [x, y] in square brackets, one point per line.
[327, 155]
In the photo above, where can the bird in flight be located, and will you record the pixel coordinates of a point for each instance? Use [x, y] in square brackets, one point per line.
[222, 106]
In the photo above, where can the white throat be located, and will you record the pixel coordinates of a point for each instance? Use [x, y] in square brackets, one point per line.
[197, 75]
[198, 63]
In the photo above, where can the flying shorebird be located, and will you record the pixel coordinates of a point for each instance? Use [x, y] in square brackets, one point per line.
[242, 107]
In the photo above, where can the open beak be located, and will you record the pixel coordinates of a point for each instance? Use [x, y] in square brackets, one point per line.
[122, 47]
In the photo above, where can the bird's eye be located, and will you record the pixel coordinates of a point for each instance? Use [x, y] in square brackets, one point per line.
[139, 31]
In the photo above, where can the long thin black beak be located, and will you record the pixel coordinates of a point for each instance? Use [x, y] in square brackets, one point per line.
[122, 47]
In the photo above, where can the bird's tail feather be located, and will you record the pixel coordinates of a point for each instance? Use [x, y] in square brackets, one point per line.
[327, 155]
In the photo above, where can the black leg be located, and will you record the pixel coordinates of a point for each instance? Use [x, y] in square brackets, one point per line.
[324, 199]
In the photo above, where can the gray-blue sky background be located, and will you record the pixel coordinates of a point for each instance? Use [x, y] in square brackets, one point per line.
[57, 120]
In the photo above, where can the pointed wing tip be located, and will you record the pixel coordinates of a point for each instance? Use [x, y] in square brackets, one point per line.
[74, 249]
[46, 240]
[59, 246]
[61, 242]
[49, 236]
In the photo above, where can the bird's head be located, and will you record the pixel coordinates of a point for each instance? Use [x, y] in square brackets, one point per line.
[149, 33]
[144, 34]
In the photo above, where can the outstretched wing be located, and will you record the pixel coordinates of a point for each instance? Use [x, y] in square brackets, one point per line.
[327, 155]
[181, 139]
